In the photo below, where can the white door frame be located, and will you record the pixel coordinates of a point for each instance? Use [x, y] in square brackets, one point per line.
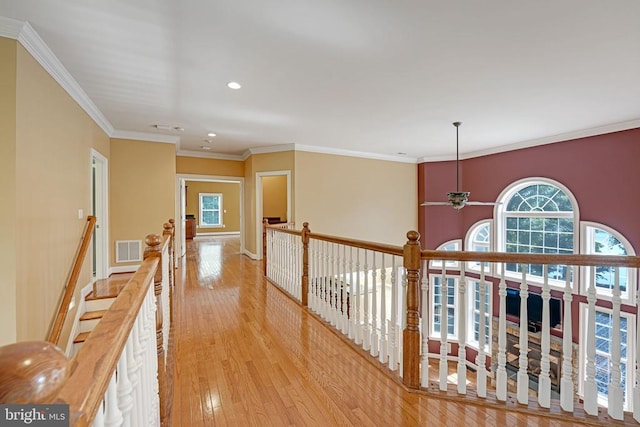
[101, 232]
[181, 178]
[259, 197]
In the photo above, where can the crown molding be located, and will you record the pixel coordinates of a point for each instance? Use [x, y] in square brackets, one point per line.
[32, 42]
[360, 154]
[568, 136]
[143, 136]
[10, 28]
[218, 156]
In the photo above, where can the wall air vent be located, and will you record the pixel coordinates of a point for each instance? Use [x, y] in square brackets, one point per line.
[128, 250]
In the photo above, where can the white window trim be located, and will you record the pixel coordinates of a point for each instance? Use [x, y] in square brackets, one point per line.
[456, 305]
[471, 342]
[631, 348]
[585, 240]
[200, 224]
[455, 265]
[499, 231]
[468, 242]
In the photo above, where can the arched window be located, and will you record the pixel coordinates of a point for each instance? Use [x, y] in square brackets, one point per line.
[598, 239]
[537, 215]
[478, 239]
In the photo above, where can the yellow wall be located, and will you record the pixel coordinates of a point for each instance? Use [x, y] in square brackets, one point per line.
[261, 163]
[141, 188]
[364, 199]
[230, 204]
[54, 137]
[199, 166]
[8, 214]
[274, 197]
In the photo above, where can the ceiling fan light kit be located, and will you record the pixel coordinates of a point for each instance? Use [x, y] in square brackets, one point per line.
[458, 199]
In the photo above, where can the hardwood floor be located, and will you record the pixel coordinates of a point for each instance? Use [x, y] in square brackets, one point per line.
[248, 355]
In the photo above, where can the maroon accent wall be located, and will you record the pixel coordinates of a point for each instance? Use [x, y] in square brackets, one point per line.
[602, 172]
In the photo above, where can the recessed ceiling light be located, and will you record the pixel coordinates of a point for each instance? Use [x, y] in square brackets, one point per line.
[234, 85]
[211, 134]
[204, 147]
[400, 153]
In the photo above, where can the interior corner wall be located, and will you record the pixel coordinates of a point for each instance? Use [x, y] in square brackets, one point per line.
[268, 162]
[8, 212]
[53, 141]
[141, 190]
[230, 204]
[365, 199]
[601, 172]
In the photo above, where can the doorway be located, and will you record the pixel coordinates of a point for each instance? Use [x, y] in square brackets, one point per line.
[270, 186]
[99, 209]
[181, 207]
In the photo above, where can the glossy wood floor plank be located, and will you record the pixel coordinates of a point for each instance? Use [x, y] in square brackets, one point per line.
[247, 355]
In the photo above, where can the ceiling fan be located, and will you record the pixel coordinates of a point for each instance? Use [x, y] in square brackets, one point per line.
[458, 199]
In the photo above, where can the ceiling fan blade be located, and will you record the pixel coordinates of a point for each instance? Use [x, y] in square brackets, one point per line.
[435, 204]
[483, 203]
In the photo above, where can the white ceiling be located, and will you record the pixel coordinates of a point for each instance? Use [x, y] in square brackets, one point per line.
[370, 76]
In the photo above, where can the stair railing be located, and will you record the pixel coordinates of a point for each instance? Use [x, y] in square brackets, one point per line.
[370, 292]
[70, 287]
[118, 377]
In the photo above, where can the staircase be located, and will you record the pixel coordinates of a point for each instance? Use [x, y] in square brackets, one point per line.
[96, 304]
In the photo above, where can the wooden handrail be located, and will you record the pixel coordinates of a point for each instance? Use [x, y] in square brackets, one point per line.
[97, 359]
[523, 258]
[70, 288]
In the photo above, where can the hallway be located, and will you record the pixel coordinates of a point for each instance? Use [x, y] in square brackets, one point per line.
[248, 355]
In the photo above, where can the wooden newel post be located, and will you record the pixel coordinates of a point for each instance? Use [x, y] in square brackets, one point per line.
[305, 263]
[32, 372]
[265, 223]
[411, 333]
[154, 250]
[167, 230]
[173, 246]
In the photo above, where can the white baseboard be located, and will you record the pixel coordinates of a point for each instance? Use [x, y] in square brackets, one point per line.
[222, 233]
[124, 269]
[251, 255]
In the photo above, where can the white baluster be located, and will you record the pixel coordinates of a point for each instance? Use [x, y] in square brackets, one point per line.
[393, 322]
[501, 374]
[134, 372]
[424, 359]
[358, 318]
[615, 397]
[566, 383]
[523, 360]
[366, 342]
[374, 309]
[462, 333]
[124, 391]
[334, 287]
[590, 389]
[353, 296]
[544, 381]
[113, 415]
[444, 328]
[343, 288]
[481, 360]
[383, 312]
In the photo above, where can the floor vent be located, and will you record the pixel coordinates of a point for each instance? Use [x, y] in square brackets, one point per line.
[128, 250]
